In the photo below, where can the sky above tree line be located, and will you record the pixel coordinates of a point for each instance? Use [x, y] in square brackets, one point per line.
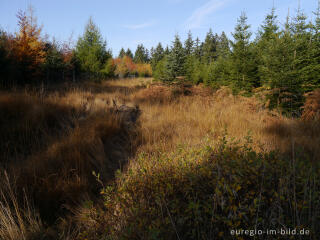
[127, 23]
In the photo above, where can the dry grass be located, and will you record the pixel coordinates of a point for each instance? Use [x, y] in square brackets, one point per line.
[170, 120]
[311, 109]
[51, 144]
[16, 221]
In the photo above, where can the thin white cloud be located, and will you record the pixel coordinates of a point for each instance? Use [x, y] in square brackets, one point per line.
[175, 1]
[199, 15]
[140, 26]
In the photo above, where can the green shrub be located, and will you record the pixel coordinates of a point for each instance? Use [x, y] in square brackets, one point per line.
[160, 72]
[109, 69]
[204, 192]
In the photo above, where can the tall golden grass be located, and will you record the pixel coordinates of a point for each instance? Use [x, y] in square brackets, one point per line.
[50, 144]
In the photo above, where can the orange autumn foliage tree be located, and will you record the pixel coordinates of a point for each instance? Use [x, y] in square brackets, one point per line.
[28, 58]
[126, 67]
[29, 51]
[144, 70]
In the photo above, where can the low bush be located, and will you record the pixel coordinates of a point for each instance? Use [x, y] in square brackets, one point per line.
[205, 192]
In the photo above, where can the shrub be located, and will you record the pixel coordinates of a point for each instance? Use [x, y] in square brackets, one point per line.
[204, 192]
[125, 67]
[109, 69]
[160, 72]
[144, 70]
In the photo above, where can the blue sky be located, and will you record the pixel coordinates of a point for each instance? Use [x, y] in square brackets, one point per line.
[126, 23]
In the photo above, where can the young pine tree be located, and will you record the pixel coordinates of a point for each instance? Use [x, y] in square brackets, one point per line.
[167, 51]
[305, 51]
[278, 71]
[197, 49]
[209, 48]
[312, 69]
[129, 53]
[140, 55]
[301, 50]
[122, 53]
[54, 62]
[243, 61]
[223, 46]
[188, 44]
[91, 50]
[156, 55]
[268, 54]
[176, 60]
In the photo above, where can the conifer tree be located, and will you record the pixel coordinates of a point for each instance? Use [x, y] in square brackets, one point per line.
[53, 64]
[176, 60]
[146, 56]
[129, 53]
[167, 51]
[243, 65]
[267, 49]
[303, 58]
[277, 70]
[122, 53]
[209, 48]
[157, 55]
[188, 44]
[223, 46]
[194, 69]
[197, 49]
[269, 26]
[152, 51]
[29, 47]
[312, 68]
[141, 54]
[91, 50]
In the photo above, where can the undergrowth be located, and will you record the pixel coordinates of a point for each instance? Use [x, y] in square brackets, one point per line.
[206, 191]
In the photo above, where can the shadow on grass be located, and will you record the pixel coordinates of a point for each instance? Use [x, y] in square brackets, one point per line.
[50, 151]
[291, 134]
[204, 193]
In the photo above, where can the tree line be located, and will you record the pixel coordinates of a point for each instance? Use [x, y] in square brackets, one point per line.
[27, 57]
[283, 60]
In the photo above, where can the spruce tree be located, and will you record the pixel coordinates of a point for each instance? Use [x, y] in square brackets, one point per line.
[129, 53]
[269, 26]
[157, 55]
[188, 44]
[146, 56]
[91, 49]
[277, 70]
[223, 46]
[53, 64]
[141, 55]
[242, 57]
[312, 69]
[303, 48]
[267, 49]
[297, 82]
[122, 53]
[167, 51]
[176, 60]
[197, 49]
[209, 48]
